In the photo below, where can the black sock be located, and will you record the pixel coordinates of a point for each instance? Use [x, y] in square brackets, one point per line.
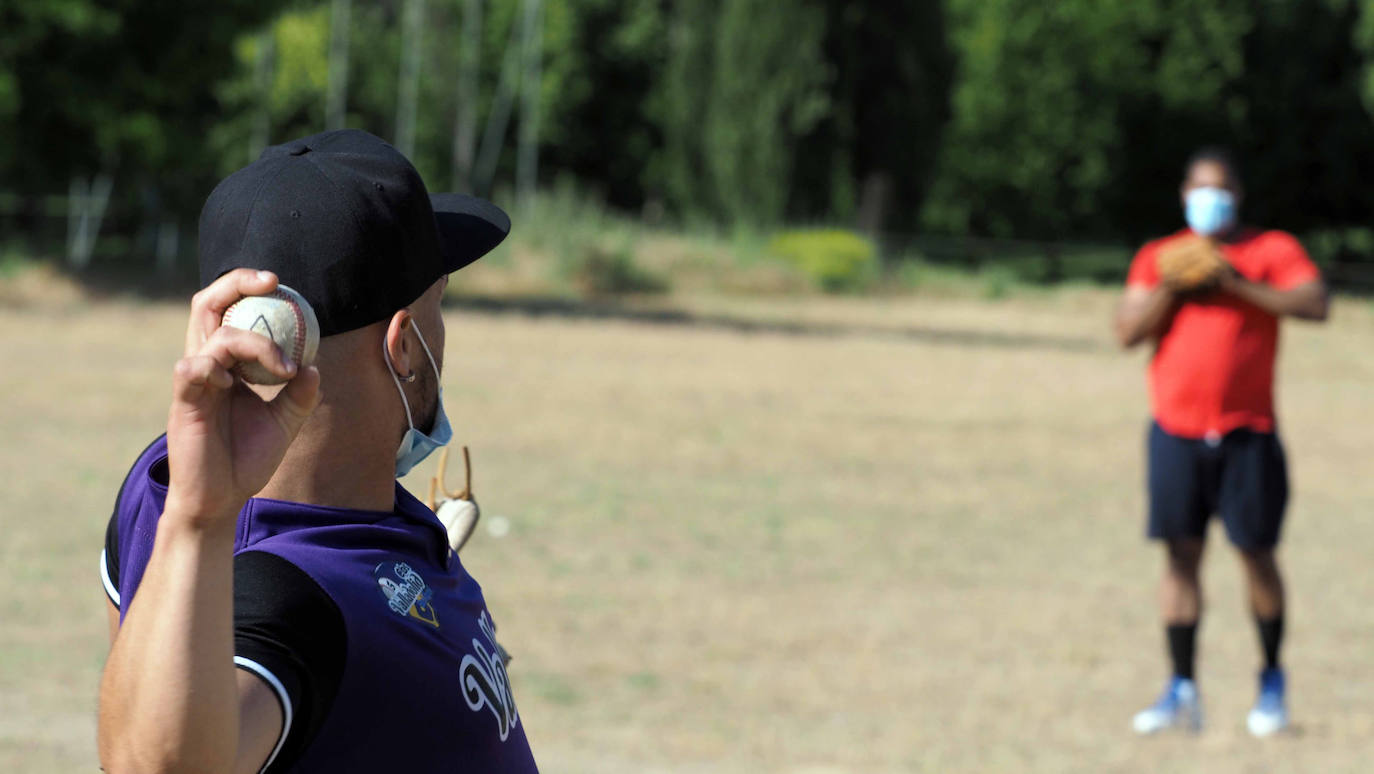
[1271, 636]
[1181, 640]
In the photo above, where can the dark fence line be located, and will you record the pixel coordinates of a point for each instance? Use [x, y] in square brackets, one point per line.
[1345, 257]
[139, 238]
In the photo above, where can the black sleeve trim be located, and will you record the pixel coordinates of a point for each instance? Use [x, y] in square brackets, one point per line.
[288, 627]
[109, 560]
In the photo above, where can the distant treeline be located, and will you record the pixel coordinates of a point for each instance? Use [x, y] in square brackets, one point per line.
[1057, 121]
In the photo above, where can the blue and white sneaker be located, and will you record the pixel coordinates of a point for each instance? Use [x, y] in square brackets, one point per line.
[1178, 707]
[1270, 713]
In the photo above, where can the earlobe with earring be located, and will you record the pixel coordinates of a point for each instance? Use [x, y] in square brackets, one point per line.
[408, 378]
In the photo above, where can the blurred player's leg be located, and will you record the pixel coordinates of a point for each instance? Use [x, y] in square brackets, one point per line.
[1180, 601]
[1180, 594]
[1270, 713]
[1181, 479]
[1254, 496]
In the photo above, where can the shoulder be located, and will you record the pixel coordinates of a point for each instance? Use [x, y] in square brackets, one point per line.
[1275, 241]
[1143, 271]
[1159, 243]
[148, 473]
[270, 587]
[125, 529]
[290, 633]
[152, 454]
[1281, 260]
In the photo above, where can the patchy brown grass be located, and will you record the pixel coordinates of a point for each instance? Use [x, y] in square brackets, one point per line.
[897, 535]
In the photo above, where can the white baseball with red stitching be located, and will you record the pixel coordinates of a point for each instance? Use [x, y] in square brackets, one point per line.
[285, 317]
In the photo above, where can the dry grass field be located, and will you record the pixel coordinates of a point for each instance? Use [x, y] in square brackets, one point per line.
[771, 536]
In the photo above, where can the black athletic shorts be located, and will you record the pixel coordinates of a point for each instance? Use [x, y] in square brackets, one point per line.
[1241, 476]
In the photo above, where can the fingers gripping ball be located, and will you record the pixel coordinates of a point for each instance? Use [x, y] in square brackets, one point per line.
[285, 317]
[1191, 264]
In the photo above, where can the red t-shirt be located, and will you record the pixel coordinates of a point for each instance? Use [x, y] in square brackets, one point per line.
[1213, 371]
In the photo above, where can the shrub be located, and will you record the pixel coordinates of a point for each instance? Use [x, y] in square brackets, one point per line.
[599, 271]
[998, 281]
[834, 259]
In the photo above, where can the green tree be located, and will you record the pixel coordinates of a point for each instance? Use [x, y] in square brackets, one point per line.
[1073, 119]
[122, 87]
[1040, 137]
[872, 154]
[746, 80]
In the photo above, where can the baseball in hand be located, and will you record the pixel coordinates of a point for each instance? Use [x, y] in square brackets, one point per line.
[285, 317]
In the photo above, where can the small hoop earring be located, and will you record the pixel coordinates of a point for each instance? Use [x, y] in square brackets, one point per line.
[408, 378]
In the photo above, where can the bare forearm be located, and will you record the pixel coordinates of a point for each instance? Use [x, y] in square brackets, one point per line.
[1145, 317]
[1307, 302]
[168, 700]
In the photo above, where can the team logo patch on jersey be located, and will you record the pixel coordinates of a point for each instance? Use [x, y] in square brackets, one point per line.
[485, 682]
[406, 592]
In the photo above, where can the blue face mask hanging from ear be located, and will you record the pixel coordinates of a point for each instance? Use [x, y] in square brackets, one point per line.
[415, 445]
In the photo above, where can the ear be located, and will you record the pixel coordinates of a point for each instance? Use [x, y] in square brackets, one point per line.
[399, 351]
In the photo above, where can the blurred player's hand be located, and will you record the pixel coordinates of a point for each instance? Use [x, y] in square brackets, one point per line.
[224, 442]
[1192, 265]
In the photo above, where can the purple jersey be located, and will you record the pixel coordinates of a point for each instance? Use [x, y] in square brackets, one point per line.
[364, 623]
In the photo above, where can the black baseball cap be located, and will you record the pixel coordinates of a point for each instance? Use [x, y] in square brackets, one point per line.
[344, 219]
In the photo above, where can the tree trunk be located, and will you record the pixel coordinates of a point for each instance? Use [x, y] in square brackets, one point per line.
[494, 137]
[408, 89]
[86, 203]
[168, 245]
[336, 109]
[874, 202]
[527, 158]
[465, 120]
[262, 83]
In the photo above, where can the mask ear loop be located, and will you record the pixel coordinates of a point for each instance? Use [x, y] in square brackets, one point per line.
[386, 358]
[436, 484]
[428, 354]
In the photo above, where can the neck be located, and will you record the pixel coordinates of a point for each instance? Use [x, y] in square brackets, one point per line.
[1229, 235]
[337, 461]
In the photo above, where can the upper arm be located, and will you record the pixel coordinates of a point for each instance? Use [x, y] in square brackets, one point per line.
[262, 723]
[1131, 311]
[112, 621]
[1144, 271]
[1309, 301]
[1289, 267]
[289, 644]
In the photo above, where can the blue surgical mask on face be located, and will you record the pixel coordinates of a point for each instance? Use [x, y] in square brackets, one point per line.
[415, 445]
[1210, 211]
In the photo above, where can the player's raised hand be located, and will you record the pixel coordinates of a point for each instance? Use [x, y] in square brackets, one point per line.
[223, 441]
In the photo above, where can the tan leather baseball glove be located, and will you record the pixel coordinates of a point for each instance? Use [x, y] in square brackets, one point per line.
[1191, 264]
[457, 511]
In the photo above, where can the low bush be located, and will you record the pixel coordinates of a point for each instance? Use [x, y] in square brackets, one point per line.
[834, 259]
[601, 271]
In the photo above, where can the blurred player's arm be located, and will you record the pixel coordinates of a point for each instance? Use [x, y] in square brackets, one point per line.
[171, 698]
[1308, 301]
[1144, 313]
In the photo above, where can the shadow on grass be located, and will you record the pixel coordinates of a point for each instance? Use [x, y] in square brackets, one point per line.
[178, 287]
[610, 310]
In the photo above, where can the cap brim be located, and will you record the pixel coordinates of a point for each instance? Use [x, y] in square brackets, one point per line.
[469, 228]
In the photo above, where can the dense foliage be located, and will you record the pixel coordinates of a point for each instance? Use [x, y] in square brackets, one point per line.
[1002, 118]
